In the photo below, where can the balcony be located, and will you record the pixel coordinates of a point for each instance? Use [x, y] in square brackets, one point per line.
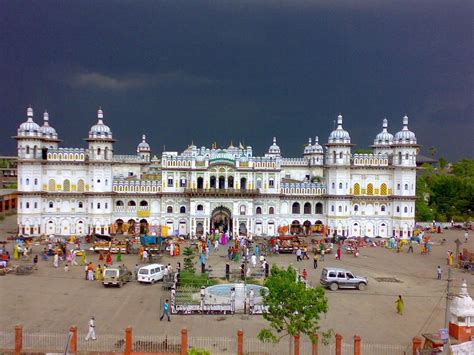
[221, 192]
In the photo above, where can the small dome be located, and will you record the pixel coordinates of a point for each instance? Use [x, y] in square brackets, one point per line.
[143, 146]
[317, 148]
[29, 126]
[405, 136]
[100, 130]
[462, 305]
[46, 129]
[384, 137]
[274, 148]
[339, 135]
[308, 149]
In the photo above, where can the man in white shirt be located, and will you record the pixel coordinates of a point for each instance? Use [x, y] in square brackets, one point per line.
[91, 333]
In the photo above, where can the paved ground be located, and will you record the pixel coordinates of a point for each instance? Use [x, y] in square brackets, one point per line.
[51, 300]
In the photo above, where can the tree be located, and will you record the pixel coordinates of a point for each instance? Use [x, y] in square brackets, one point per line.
[362, 151]
[432, 151]
[188, 253]
[442, 163]
[292, 308]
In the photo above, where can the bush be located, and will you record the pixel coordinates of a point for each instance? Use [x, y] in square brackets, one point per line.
[194, 351]
[187, 278]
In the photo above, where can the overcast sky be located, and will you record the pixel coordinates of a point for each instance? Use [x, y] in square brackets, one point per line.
[205, 71]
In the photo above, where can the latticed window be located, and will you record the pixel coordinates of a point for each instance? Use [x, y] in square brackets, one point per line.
[52, 185]
[383, 189]
[356, 189]
[67, 185]
[80, 185]
[370, 189]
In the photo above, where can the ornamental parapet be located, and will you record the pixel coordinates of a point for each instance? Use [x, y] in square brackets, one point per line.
[128, 159]
[294, 162]
[221, 192]
[135, 185]
[66, 154]
[302, 188]
[370, 159]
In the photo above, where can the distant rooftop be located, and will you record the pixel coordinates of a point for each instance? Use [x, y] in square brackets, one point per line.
[4, 192]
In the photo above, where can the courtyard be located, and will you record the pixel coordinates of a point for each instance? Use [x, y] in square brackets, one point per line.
[51, 300]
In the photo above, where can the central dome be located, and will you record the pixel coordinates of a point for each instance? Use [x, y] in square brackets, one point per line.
[384, 137]
[339, 135]
[100, 130]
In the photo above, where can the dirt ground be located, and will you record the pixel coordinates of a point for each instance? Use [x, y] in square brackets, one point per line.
[50, 300]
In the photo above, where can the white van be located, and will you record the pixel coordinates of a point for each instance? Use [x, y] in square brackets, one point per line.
[151, 273]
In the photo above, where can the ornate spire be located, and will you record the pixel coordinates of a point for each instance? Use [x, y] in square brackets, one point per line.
[385, 124]
[29, 113]
[405, 123]
[274, 140]
[46, 118]
[316, 140]
[309, 141]
[339, 121]
[143, 138]
[100, 116]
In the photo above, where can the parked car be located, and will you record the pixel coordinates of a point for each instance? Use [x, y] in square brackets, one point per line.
[334, 278]
[151, 273]
[116, 275]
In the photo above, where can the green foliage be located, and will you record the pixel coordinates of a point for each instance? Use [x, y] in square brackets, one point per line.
[442, 162]
[444, 195]
[292, 308]
[194, 351]
[432, 151]
[363, 151]
[188, 264]
[188, 278]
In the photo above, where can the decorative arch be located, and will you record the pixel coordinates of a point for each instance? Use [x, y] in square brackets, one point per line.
[67, 185]
[295, 208]
[307, 208]
[383, 189]
[52, 185]
[370, 189]
[356, 189]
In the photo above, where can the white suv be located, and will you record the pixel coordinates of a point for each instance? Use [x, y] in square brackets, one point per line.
[341, 278]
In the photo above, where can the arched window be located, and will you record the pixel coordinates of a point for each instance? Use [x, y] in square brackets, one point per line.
[106, 153]
[98, 205]
[271, 210]
[132, 203]
[169, 209]
[243, 183]
[50, 204]
[334, 157]
[119, 203]
[319, 208]
[182, 209]
[67, 185]
[383, 189]
[200, 183]
[243, 210]
[398, 209]
[213, 182]
[340, 185]
[258, 210]
[307, 208]
[339, 208]
[406, 187]
[295, 208]
[370, 189]
[80, 185]
[143, 203]
[399, 157]
[230, 182]
[200, 208]
[36, 181]
[27, 205]
[405, 209]
[98, 151]
[340, 155]
[80, 204]
[221, 182]
[356, 208]
[356, 189]
[27, 181]
[382, 208]
[332, 208]
[52, 185]
[27, 150]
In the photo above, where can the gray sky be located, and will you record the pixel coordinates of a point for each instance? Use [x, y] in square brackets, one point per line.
[206, 71]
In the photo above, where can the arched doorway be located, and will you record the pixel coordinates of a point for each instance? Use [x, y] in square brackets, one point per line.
[119, 223]
[271, 228]
[199, 229]
[221, 219]
[383, 230]
[369, 229]
[258, 228]
[307, 227]
[243, 183]
[200, 183]
[50, 229]
[221, 182]
[80, 228]
[131, 226]
[213, 182]
[356, 230]
[295, 227]
[242, 228]
[318, 227]
[143, 226]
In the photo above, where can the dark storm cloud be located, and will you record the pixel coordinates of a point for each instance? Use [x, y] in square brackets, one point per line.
[244, 71]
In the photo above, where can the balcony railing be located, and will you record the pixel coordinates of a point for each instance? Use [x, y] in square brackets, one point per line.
[221, 192]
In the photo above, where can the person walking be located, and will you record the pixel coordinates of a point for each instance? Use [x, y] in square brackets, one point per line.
[410, 247]
[91, 333]
[439, 272]
[466, 236]
[338, 253]
[315, 261]
[253, 260]
[165, 311]
[400, 305]
[298, 254]
[56, 260]
[322, 254]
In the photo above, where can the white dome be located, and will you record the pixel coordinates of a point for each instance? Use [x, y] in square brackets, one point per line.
[46, 129]
[462, 305]
[100, 130]
[384, 137]
[339, 135]
[317, 148]
[405, 136]
[274, 148]
[29, 126]
[143, 146]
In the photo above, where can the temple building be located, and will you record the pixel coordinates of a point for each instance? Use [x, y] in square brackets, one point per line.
[78, 191]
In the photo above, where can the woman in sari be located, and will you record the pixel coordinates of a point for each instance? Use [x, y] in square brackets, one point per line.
[400, 305]
[98, 273]
[108, 260]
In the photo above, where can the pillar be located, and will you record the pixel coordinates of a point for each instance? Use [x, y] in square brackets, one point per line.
[416, 345]
[240, 342]
[314, 346]
[338, 344]
[18, 339]
[73, 340]
[297, 344]
[184, 341]
[356, 345]
[128, 341]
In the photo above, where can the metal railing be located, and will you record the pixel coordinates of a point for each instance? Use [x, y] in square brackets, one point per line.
[156, 343]
[216, 345]
[7, 340]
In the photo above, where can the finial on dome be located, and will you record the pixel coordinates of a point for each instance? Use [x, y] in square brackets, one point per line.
[385, 123]
[339, 121]
[143, 138]
[405, 121]
[100, 113]
[46, 116]
[463, 292]
[29, 113]
[316, 140]
[309, 141]
[274, 140]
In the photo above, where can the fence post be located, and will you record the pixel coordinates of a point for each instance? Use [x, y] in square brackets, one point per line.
[297, 344]
[73, 341]
[356, 345]
[416, 345]
[240, 342]
[338, 344]
[18, 339]
[184, 341]
[128, 340]
[314, 346]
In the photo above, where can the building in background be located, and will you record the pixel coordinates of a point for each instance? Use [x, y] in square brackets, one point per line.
[8, 172]
[77, 191]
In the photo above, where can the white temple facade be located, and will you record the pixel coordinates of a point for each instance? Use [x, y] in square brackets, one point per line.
[78, 191]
